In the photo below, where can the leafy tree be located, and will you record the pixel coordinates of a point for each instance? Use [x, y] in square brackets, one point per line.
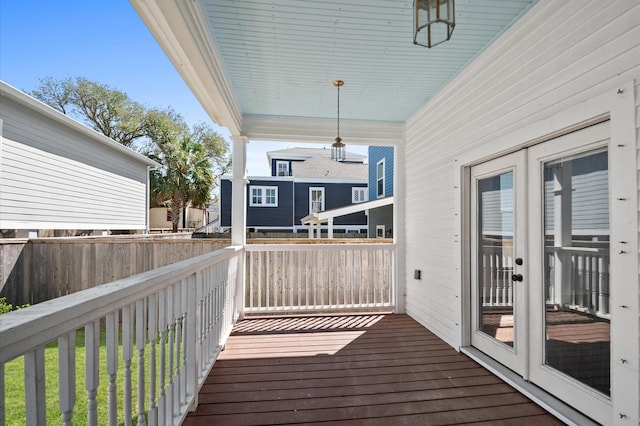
[186, 176]
[109, 111]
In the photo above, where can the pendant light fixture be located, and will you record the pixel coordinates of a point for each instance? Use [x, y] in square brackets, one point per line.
[433, 21]
[338, 151]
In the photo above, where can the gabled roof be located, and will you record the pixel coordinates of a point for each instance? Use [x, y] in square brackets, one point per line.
[325, 168]
[302, 154]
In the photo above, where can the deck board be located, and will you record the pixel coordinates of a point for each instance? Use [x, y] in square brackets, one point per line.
[353, 370]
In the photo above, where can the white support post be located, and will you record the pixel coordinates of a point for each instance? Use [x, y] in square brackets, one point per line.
[239, 192]
[239, 213]
[330, 228]
[562, 230]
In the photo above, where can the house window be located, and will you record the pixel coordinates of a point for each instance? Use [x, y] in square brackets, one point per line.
[380, 179]
[264, 196]
[380, 231]
[358, 195]
[316, 199]
[282, 168]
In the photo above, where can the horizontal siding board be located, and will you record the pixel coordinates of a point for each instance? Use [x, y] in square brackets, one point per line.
[558, 55]
[31, 128]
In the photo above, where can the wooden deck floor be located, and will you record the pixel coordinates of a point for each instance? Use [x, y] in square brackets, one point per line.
[352, 370]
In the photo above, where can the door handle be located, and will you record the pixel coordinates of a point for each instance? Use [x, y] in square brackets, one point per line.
[516, 277]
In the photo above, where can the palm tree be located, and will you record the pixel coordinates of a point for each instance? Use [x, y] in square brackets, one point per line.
[186, 176]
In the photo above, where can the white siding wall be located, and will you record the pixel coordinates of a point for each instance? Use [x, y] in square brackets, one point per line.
[562, 53]
[53, 177]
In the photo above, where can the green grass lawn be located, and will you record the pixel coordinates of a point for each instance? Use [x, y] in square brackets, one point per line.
[14, 385]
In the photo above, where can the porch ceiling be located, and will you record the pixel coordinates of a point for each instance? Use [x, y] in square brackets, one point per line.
[256, 64]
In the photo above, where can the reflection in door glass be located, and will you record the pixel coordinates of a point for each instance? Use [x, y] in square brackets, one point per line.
[495, 257]
[576, 263]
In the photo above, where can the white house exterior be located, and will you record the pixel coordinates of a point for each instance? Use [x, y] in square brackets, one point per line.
[56, 173]
[560, 84]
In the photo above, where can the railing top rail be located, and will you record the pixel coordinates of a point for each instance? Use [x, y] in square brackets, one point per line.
[584, 250]
[319, 247]
[36, 325]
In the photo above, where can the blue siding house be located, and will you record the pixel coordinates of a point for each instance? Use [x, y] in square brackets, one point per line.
[381, 186]
[302, 181]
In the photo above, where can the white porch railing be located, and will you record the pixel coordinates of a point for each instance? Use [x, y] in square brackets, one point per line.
[587, 275]
[319, 277]
[165, 327]
[496, 264]
[588, 278]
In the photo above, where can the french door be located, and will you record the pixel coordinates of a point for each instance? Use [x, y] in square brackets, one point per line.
[540, 279]
[498, 265]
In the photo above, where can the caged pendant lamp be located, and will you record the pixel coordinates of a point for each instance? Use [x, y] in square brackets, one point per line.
[338, 149]
[433, 21]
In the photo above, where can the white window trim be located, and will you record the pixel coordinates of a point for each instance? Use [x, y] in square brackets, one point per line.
[383, 178]
[316, 188]
[286, 163]
[363, 192]
[378, 229]
[263, 195]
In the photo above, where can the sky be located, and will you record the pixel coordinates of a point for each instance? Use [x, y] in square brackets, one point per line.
[106, 42]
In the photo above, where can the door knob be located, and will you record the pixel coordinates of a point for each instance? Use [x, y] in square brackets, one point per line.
[516, 277]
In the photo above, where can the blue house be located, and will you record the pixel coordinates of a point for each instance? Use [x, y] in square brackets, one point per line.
[302, 181]
[381, 186]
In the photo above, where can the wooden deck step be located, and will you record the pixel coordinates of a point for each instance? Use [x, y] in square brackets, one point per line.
[353, 370]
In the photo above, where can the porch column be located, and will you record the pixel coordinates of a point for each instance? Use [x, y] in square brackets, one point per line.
[239, 214]
[562, 237]
[239, 191]
[330, 228]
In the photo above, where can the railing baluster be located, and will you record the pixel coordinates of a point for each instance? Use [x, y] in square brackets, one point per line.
[34, 387]
[190, 340]
[152, 310]
[127, 353]
[171, 320]
[67, 376]
[595, 284]
[268, 280]
[162, 327]
[177, 306]
[141, 326]
[183, 370]
[603, 305]
[92, 363]
[112, 366]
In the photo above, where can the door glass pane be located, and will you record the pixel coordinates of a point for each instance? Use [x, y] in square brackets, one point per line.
[495, 257]
[576, 254]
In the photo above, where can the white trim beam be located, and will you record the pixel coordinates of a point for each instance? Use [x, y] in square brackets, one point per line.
[322, 130]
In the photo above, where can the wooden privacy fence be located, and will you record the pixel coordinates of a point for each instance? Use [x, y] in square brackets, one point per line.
[319, 277]
[42, 269]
